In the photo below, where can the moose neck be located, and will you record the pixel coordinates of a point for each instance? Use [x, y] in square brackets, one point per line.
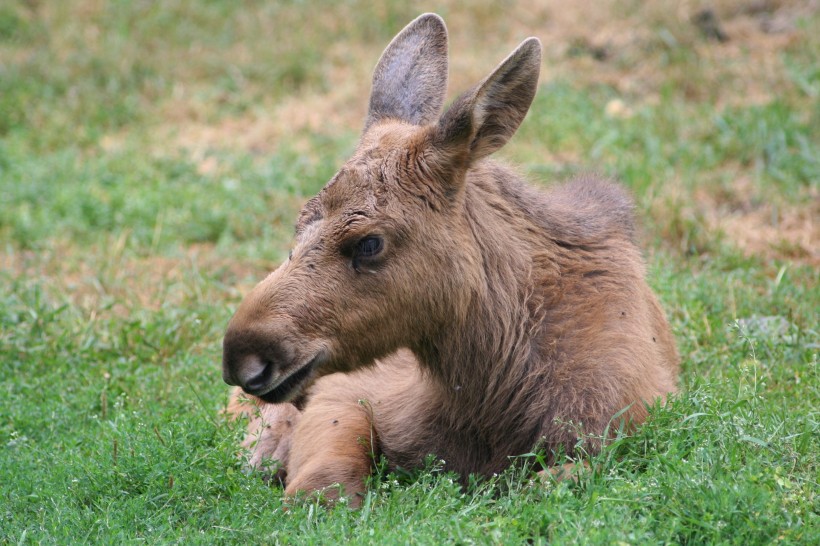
[481, 358]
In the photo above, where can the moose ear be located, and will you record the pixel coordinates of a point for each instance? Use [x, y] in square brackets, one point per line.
[483, 119]
[410, 80]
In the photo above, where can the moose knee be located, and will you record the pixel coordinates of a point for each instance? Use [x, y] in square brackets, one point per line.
[332, 445]
[333, 478]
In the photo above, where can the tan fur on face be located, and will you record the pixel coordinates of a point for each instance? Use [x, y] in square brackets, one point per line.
[495, 318]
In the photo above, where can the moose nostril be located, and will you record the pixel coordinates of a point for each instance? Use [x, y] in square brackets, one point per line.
[255, 373]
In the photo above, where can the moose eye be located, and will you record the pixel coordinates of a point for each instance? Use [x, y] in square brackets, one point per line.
[369, 247]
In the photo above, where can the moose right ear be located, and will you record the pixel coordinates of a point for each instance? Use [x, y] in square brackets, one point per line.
[484, 118]
[410, 80]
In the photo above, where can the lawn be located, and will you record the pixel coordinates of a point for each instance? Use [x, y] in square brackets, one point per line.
[153, 159]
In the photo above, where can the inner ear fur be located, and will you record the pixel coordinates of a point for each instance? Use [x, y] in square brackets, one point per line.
[410, 79]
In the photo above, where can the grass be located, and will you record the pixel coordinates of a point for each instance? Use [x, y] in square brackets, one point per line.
[153, 158]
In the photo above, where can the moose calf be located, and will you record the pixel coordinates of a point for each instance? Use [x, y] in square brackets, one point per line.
[434, 303]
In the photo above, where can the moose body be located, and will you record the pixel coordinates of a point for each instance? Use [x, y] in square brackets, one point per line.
[434, 303]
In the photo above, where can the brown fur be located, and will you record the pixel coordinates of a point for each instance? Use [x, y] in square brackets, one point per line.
[495, 318]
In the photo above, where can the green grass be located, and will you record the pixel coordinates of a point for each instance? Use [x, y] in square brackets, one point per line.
[125, 248]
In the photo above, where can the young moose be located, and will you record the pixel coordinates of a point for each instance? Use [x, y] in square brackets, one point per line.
[434, 303]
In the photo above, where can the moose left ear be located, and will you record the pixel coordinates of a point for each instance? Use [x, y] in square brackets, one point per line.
[483, 119]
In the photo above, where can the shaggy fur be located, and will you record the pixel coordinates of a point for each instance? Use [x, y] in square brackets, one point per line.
[493, 318]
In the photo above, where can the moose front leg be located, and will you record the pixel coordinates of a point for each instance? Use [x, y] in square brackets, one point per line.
[270, 432]
[332, 447]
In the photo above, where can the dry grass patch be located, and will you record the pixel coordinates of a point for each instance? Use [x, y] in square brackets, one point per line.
[113, 281]
[768, 228]
[639, 49]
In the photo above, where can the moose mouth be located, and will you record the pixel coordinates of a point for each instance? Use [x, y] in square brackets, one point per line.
[292, 384]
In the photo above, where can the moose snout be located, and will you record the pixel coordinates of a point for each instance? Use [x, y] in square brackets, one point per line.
[267, 365]
[249, 360]
[265, 350]
[251, 372]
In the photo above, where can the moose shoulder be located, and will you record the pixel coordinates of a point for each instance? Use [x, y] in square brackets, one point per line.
[435, 303]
